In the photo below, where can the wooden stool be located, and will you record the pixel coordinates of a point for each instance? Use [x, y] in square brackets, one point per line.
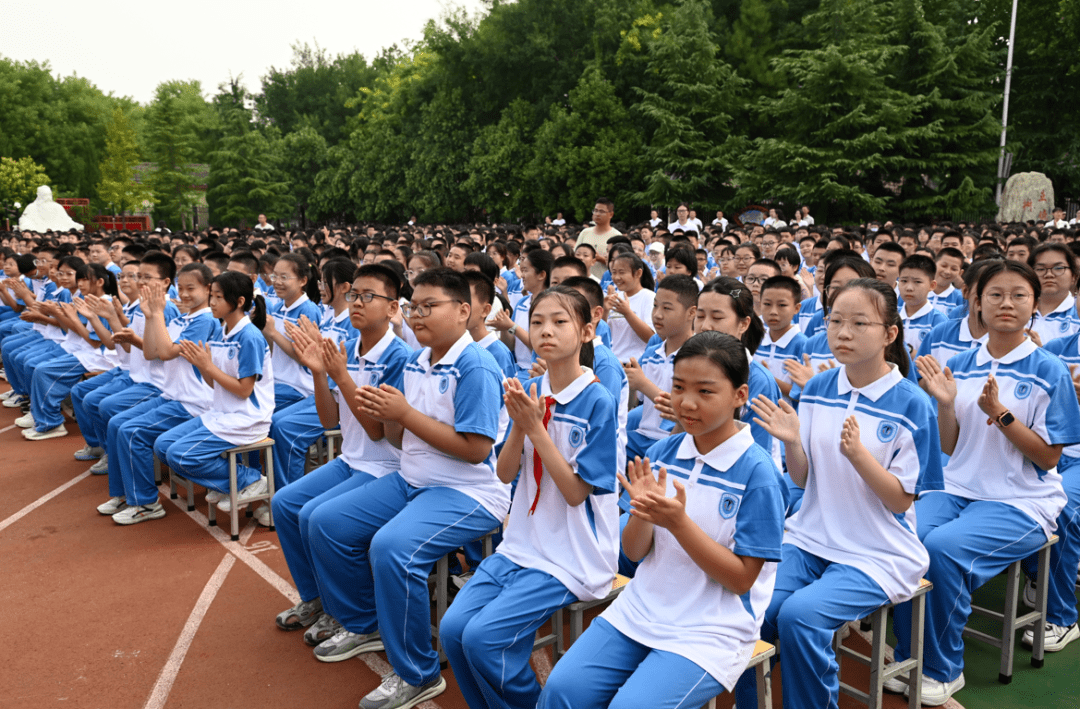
[332, 438]
[761, 663]
[1010, 623]
[265, 446]
[880, 673]
[577, 615]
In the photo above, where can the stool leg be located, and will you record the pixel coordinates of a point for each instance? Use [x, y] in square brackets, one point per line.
[1039, 631]
[157, 471]
[577, 623]
[877, 655]
[918, 618]
[764, 684]
[1008, 622]
[234, 514]
[442, 577]
[268, 466]
[172, 482]
[557, 628]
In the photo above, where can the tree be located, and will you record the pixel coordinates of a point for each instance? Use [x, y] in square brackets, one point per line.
[688, 108]
[19, 180]
[499, 162]
[178, 121]
[118, 187]
[303, 157]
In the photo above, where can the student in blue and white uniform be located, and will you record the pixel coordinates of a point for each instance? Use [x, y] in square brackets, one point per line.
[483, 295]
[955, 336]
[131, 434]
[237, 365]
[1002, 492]
[292, 283]
[916, 282]
[88, 348]
[712, 520]
[949, 264]
[629, 309]
[561, 542]
[1055, 265]
[377, 357]
[296, 426]
[446, 495]
[863, 445]
[783, 342]
[535, 267]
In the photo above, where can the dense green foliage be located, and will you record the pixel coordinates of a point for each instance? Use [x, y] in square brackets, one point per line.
[859, 108]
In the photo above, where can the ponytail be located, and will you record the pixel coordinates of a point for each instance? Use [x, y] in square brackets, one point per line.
[258, 312]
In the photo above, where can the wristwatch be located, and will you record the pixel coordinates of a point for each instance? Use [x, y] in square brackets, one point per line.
[1005, 419]
[512, 329]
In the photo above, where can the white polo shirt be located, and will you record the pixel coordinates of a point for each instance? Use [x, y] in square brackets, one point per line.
[383, 364]
[842, 519]
[182, 381]
[243, 352]
[143, 370]
[522, 353]
[286, 369]
[946, 300]
[625, 343]
[773, 353]
[578, 545]
[1036, 387]
[659, 368]
[948, 339]
[464, 389]
[92, 358]
[918, 325]
[338, 328]
[733, 494]
[1062, 322]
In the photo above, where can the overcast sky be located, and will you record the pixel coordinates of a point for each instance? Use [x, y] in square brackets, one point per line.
[128, 48]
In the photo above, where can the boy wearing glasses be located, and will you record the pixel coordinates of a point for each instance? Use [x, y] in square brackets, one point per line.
[445, 420]
[377, 357]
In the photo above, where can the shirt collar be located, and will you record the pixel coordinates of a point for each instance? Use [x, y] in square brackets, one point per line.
[448, 359]
[244, 322]
[724, 455]
[299, 301]
[201, 311]
[597, 341]
[342, 317]
[375, 353]
[486, 341]
[945, 293]
[570, 392]
[1017, 353]
[872, 391]
[923, 311]
[1068, 304]
[787, 337]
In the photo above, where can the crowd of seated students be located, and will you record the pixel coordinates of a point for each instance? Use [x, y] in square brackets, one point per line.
[773, 429]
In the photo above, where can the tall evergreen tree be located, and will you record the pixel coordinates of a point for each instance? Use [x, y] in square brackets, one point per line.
[118, 187]
[176, 123]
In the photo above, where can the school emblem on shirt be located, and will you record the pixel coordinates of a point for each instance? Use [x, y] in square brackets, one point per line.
[444, 384]
[1023, 390]
[729, 505]
[1065, 326]
[577, 436]
[886, 431]
[232, 353]
[375, 380]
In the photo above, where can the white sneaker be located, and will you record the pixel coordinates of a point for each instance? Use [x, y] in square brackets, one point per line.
[253, 491]
[6, 394]
[25, 421]
[213, 497]
[262, 515]
[1029, 593]
[101, 466]
[935, 693]
[89, 453]
[16, 401]
[139, 513]
[396, 693]
[1057, 637]
[897, 684]
[114, 505]
[34, 435]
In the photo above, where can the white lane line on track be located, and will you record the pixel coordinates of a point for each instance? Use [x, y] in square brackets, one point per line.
[5, 430]
[374, 662]
[41, 500]
[167, 677]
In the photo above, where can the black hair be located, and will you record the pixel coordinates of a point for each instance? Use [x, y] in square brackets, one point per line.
[845, 244]
[219, 259]
[204, 274]
[684, 287]
[337, 271]
[485, 287]
[570, 262]
[590, 247]
[1004, 266]
[485, 263]
[76, 264]
[743, 304]
[895, 351]
[188, 249]
[1061, 249]
[856, 263]
[26, 264]
[723, 350]
[950, 251]
[920, 262]
[390, 278]
[588, 288]
[233, 287]
[542, 261]
[789, 254]
[433, 259]
[783, 283]
[577, 305]
[893, 247]
[684, 255]
[972, 273]
[108, 278]
[247, 260]
[636, 264]
[448, 280]
[753, 249]
[164, 264]
[985, 251]
[768, 262]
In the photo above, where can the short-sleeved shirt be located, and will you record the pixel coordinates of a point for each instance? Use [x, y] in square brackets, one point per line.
[1062, 322]
[578, 545]
[384, 363]
[1068, 351]
[501, 353]
[93, 357]
[182, 381]
[948, 339]
[773, 353]
[338, 328]
[625, 343]
[522, 353]
[53, 295]
[286, 369]
[842, 519]
[464, 390]
[143, 370]
[946, 300]
[809, 308]
[733, 494]
[598, 242]
[1036, 387]
[242, 352]
[918, 325]
[659, 368]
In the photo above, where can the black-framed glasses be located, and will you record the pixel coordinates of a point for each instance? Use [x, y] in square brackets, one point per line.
[352, 297]
[1057, 270]
[422, 310]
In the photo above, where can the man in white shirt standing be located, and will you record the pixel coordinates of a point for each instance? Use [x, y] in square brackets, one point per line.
[263, 225]
[597, 235]
[806, 219]
[558, 220]
[654, 219]
[720, 221]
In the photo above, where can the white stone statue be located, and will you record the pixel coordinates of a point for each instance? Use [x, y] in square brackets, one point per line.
[43, 213]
